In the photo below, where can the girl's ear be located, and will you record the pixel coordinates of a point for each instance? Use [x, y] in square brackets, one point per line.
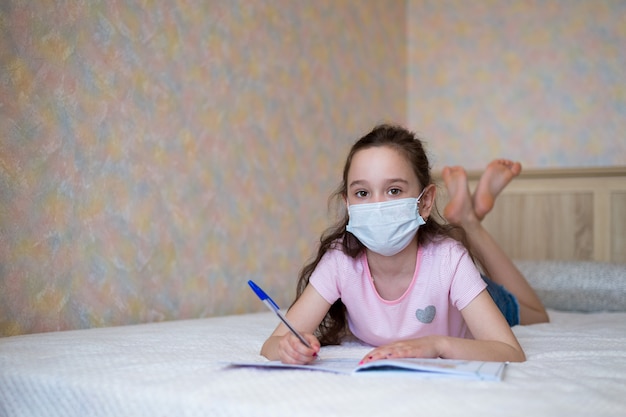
[427, 202]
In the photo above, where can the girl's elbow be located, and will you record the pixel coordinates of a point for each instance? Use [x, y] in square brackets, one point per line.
[518, 356]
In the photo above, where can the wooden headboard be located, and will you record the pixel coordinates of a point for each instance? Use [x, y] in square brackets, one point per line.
[560, 214]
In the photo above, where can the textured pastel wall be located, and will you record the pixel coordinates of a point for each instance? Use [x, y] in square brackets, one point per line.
[155, 155]
[543, 81]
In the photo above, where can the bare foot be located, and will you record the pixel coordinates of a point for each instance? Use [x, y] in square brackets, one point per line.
[496, 176]
[459, 209]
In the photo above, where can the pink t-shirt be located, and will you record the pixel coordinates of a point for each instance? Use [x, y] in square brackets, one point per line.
[445, 281]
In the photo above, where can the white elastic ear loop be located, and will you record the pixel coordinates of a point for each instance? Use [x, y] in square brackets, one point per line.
[421, 194]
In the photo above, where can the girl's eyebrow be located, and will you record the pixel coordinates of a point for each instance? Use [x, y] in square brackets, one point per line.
[357, 183]
[389, 181]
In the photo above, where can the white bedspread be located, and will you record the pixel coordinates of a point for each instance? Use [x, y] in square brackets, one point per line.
[576, 367]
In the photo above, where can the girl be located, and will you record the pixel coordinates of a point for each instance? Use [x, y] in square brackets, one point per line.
[395, 278]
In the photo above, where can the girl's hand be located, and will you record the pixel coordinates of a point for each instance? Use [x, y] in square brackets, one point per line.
[424, 347]
[305, 315]
[292, 351]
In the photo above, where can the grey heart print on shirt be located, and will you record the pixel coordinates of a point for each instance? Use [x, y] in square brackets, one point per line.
[426, 315]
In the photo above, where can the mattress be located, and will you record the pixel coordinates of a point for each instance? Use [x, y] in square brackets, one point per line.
[576, 365]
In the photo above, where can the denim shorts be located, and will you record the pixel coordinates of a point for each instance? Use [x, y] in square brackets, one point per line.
[506, 302]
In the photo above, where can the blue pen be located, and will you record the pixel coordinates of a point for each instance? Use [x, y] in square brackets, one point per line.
[274, 307]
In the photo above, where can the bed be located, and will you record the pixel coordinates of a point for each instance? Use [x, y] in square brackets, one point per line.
[576, 364]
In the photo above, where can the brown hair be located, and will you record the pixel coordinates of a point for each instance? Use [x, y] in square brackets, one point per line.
[334, 325]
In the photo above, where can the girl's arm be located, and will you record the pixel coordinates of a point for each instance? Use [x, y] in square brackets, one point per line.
[305, 315]
[493, 339]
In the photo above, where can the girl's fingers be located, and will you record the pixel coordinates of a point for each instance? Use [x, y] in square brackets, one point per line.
[293, 351]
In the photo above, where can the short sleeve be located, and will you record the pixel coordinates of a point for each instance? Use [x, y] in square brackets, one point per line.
[325, 277]
[466, 280]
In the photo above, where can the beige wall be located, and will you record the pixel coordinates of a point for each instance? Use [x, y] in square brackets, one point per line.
[538, 81]
[157, 155]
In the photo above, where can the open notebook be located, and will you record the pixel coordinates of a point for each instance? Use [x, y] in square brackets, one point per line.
[431, 368]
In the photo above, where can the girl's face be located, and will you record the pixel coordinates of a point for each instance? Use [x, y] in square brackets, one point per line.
[380, 174]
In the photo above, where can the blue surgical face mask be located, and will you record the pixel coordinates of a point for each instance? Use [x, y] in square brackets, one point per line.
[388, 227]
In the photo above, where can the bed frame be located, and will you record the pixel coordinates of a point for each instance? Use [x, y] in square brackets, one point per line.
[560, 214]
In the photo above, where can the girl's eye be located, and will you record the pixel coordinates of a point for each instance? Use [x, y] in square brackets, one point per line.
[395, 191]
[361, 194]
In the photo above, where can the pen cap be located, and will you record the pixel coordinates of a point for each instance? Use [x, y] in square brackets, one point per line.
[261, 294]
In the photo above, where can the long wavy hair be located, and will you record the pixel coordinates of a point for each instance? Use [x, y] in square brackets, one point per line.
[334, 326]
